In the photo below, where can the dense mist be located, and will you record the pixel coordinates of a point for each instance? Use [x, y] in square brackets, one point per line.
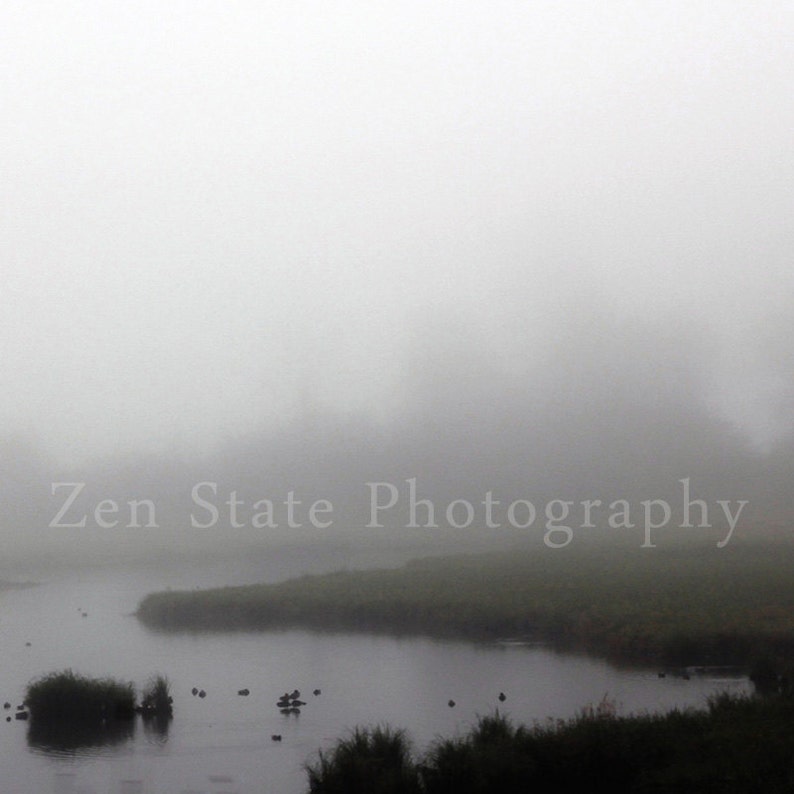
[610, 412]
[535, 251]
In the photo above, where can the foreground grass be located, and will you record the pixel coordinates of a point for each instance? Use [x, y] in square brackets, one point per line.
[688, 605]
[372, 760]
[739, 745]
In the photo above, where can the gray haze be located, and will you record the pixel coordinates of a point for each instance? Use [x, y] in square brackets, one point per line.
[540, 248]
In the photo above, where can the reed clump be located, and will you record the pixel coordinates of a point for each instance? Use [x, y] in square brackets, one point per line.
[67, 695]
[376, 760]
[156, 699]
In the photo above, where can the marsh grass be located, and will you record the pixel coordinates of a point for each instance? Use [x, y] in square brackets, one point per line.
[67, 695]
[376, 760]
[156, 699]
[737, 744]
[676, 607]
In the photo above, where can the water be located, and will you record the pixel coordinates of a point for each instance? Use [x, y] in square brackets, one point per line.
[222, 743]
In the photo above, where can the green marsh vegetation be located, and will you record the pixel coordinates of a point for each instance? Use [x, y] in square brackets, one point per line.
[690, 604]
[737, 745]
[69, 696]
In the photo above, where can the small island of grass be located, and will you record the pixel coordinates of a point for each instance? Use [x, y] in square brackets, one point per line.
[67, 696]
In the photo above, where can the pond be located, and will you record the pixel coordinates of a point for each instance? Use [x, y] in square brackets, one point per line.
[223, 742]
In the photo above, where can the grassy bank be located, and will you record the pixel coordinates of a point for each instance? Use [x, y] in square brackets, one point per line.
[736, 746]
[677, 606]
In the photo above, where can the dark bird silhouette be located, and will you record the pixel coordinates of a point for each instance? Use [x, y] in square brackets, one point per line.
[276, 737]
[202, 694]
[243, 692]
[451, 704]
[502, 697]
[317, 692]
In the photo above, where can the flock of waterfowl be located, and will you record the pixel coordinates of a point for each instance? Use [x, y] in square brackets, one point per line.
[288, 703]
[21, 714]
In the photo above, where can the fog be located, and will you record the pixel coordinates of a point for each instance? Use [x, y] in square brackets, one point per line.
[536, 249]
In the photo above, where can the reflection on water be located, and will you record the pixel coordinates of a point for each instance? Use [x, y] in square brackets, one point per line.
[223, 741]
[69, 738]
[155, 728]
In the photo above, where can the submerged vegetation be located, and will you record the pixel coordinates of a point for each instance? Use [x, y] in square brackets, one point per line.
[738, 745]
[693, 604]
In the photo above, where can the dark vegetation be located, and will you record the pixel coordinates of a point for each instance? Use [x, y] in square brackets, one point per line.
[738, 745]
[371, 759]
[69, 696]
[157, 700]
[693, 604]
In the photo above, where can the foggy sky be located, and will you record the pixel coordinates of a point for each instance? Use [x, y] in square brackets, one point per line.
[494, 242]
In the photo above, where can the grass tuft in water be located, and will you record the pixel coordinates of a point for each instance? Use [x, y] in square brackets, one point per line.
[66, 695]
[157, 697]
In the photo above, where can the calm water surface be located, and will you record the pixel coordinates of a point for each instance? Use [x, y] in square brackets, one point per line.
[222, 743]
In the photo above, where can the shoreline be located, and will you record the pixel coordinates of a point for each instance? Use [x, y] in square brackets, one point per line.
[673, 610]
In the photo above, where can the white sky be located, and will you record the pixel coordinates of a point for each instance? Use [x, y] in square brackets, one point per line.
[214, 215]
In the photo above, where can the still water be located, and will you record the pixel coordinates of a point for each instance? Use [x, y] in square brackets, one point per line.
[222, 743]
